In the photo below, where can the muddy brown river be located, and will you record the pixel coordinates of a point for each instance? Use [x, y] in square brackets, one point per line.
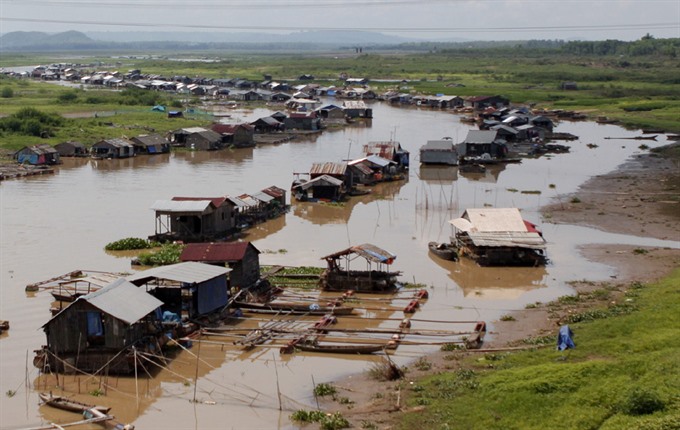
[54, 224]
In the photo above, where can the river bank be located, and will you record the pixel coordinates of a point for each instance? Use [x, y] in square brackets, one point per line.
[641, 198]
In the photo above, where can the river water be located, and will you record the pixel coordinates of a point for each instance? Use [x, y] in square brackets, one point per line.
[54, 224]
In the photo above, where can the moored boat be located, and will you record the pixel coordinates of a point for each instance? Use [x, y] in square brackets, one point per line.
[67, 404]
[340, 349]
[443, 250]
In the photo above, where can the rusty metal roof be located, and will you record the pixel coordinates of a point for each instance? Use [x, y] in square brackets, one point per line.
[216, 251]
[328, 168]
[368, 251]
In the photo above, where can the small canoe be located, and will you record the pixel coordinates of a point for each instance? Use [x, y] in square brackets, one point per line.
[340, 349]
[67, 404]
[443, 250]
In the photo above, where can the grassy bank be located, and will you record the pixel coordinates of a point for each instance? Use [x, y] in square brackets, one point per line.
[639, 91]
[623, 373]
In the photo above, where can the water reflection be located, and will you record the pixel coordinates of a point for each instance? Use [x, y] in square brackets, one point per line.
[493, 283]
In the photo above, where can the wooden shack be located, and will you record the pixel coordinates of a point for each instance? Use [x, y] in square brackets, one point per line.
[72, 149]
[38, 155]
[198, 138]
[243, 258]
[374, 278]
[100, 329]
[113, 148]
[238, 135]
[439, 152]
[483, 143]
[390, 150]
[498, 237]
[151, 144]
[324, 187]
[194, 219]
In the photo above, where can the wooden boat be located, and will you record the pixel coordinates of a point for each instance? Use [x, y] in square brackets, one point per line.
[443, 250]
[294, 308]
[340, 349]
[67, 404]
[4, 325]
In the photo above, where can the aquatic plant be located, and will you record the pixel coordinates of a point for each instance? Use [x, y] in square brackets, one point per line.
[130, 243]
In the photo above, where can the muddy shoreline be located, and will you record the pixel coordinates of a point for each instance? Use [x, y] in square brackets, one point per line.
[641, 198]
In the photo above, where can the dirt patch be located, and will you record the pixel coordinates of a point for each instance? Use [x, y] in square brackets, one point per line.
[642, 198]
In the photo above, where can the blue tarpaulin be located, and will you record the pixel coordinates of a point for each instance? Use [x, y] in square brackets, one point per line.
[564, 338]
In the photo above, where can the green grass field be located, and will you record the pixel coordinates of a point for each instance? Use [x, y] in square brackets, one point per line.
[640, 91]
[623, 374]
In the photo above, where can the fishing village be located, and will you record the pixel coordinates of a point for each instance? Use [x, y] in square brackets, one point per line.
[302, 234]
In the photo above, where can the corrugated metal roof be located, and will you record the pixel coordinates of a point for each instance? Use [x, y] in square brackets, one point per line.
[215, 252]
[320, 180]
[495, 219]
[249, 200]
[522, 239]
[328, 169]
[368, 251]
[379, 161]
[354, 104]
[275, 191]
[438, 145]
[263, 197]
[181, 206]
[216, 201]
[480, 136]
[123, 300]
[238, 202]
[187, 272]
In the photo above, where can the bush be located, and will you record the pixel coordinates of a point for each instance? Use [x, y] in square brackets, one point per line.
[642, 402]
[7, 93]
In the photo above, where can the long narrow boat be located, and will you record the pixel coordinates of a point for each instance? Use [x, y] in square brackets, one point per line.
[294, 308]
[340, 349]
[443, 250]
[67, 404]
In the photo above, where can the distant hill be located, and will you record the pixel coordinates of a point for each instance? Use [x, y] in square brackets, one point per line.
[335, 38]
[25, 39]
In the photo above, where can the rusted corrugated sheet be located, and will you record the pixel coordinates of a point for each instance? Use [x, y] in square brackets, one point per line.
[215, 252]
[332, 169]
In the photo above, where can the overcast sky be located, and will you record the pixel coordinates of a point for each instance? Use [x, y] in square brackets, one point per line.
[431, 19]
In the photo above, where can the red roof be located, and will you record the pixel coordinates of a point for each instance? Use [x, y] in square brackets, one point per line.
[229, 128]
[217, 201]
[215, 251]
[274, 191]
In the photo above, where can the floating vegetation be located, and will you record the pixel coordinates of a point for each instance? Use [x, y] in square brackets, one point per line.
[131, 243]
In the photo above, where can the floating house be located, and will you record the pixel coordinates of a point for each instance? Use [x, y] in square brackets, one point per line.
[194, 219]
[151, 144]
[483, 143]
[113, 148]
[238, 135]
[324, 187]
[191, 291]
[42, 154]
[198, 138]
[439, 152]
[243, 258]
[356, 109]
[102, 330]
[498, 237]
[72, 149]
[389, 150]
[374, 278]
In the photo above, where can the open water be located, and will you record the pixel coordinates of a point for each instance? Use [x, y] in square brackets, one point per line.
[53, 224]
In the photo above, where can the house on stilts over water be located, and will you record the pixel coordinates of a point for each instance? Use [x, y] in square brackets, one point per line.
[375, 279]
[498, 237]
[126, 324]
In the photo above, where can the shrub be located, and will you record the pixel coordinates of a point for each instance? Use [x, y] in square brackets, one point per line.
[642, 402]
[324, 389]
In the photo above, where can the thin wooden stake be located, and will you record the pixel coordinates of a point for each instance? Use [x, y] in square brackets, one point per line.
[278, 390]
[198, 355]
[136, 384]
